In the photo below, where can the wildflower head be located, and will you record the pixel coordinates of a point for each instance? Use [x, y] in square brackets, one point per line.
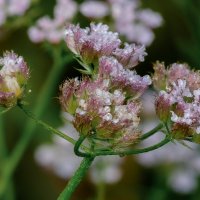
[130, 55]
[130, 81]
[163, 77]
[181, 106]
[13, 78]
[100, 110]
[91, 43]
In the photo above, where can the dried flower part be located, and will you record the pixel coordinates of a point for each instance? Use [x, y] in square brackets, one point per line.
[159, 77]
[163, 105]
[99, 109]
[183, 104]
[91, 43]
[130, 55]
[130, 81]
[13, 78]
[163, 77]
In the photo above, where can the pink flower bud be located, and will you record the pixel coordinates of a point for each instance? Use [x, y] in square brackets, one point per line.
[91, 43]
[13, 78]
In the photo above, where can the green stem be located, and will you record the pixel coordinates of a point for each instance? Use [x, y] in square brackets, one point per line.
[76, 179]
[101, 191]
[133, 151]
[151, 132]
[41, 105]
[3, 154]
[78, 144]
[5, 110]
[46, 126]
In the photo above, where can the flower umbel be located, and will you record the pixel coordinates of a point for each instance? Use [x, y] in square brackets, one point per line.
[180, 102]
[91, 43]
[13, 78]
[100, 110]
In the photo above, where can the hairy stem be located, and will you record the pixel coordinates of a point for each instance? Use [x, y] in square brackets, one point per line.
[76, 179]
[41, 105]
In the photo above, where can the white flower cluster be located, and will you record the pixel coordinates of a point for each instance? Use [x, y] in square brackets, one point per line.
[51, 30]
[183, 164]
[9, 8]
[130, 20]
[188, 103]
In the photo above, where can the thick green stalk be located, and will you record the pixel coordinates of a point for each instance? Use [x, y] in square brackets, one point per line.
[3, 154]
[5, 110]
[76, 179]
[101, 191]
[151, 132]
[41, 105]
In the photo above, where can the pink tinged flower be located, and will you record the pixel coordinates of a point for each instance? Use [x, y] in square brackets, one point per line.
[163, 105]
[13, 78]
[65, 10]
[130, 55]
[16, 7]
[178, 71]
[159, 77]
[2, 17]
[134, 84]
[36, 35]
[150, 18]
[91, 43]
[94, 9]
[163, 78]
[94, 106]
[51, 30]
[140, 34]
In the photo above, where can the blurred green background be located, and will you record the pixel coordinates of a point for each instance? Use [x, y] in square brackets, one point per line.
[177, 40]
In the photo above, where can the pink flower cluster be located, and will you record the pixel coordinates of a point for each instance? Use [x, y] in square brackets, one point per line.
[12, 8]
[107, 104]
[96, 41]
[180, 101]
[51, 30]
[130, 20]
[13, 78]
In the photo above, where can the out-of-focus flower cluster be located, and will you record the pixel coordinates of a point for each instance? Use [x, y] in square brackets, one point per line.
[106, 105]
[51, 30]
[136, 24]
[12, 8]
[181, 164]
[13, 78]
[179, 102]
[131, 21]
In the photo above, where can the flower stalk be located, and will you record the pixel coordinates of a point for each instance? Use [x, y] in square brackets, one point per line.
[41, 105]
[76, 179]
[151, 132]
